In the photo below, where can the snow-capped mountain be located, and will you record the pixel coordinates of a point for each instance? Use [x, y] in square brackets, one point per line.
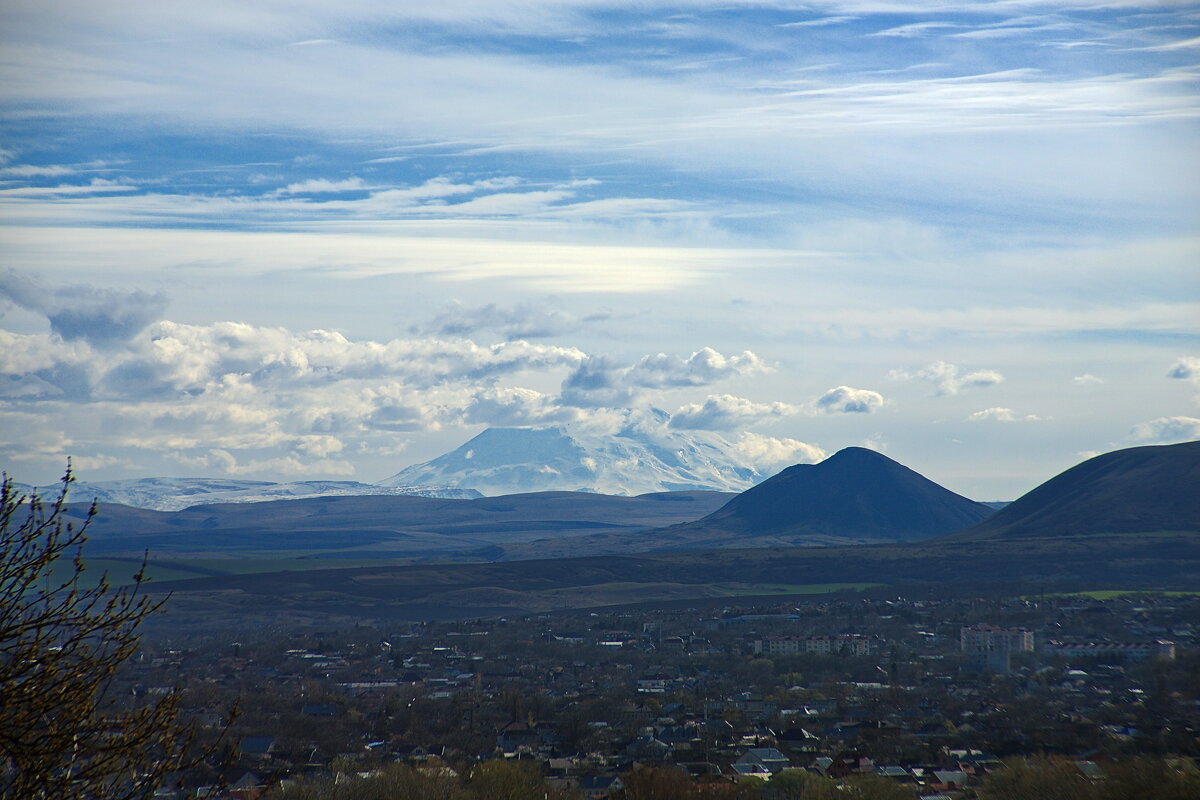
[634, 460]
[175, 494]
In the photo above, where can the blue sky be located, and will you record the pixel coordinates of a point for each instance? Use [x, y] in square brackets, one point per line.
[287, 240]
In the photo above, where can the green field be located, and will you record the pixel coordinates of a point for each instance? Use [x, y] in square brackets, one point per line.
[1112, 594]
[120, 571]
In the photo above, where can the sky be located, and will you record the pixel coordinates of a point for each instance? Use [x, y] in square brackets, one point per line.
[311, 240]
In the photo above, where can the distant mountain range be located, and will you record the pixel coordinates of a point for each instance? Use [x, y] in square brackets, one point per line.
[1139, 490]
[374, 526]
[575, 458]
[175, 494]
[499, 461]
[1128, 519]
[855, 497]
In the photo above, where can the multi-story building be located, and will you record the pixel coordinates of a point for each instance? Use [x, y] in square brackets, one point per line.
[994, 639]
[989, 646]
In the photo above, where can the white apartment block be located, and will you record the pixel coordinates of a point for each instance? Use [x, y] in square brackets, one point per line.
[976, 639]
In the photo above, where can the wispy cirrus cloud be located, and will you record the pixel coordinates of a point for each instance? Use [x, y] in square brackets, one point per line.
[524, 321]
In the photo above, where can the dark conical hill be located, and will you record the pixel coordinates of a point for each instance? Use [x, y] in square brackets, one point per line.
[1137, 490]
[854, 494]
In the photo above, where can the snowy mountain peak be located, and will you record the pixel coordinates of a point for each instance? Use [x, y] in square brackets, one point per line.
[635, 459]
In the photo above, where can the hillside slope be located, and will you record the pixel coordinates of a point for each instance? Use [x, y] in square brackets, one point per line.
[1137, 490]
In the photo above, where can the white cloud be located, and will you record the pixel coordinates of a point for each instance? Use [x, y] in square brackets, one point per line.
[1166, 430]
[767, 453]
[30, 436]
[1187, 368]
[915, 29]
[1087, 379]
[87, 463]
[946, 380]
[701, 368]
[819, 22]
[188, 357]
[1001, 415]
[875, 442]
[226, 463]
[726, 412]
[81, 312]
[242, 399]
[845, 400]
[269, 398]
[325, 186]
[508, 407]
[35, 171]
[599, 381]
[95, 186]
[1179, 44]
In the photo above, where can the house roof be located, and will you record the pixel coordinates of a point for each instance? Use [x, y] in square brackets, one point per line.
[748, 768]
[765, 754]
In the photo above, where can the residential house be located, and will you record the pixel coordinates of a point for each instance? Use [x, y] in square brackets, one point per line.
[761, 760]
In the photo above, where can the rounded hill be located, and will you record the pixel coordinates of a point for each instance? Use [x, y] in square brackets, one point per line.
[854, 494]
[1137, 490]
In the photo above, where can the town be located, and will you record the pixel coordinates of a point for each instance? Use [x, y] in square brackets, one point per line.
[925, 698]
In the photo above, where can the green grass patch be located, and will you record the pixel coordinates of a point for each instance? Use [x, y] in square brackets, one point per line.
[1112, 594]
[120, 571]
